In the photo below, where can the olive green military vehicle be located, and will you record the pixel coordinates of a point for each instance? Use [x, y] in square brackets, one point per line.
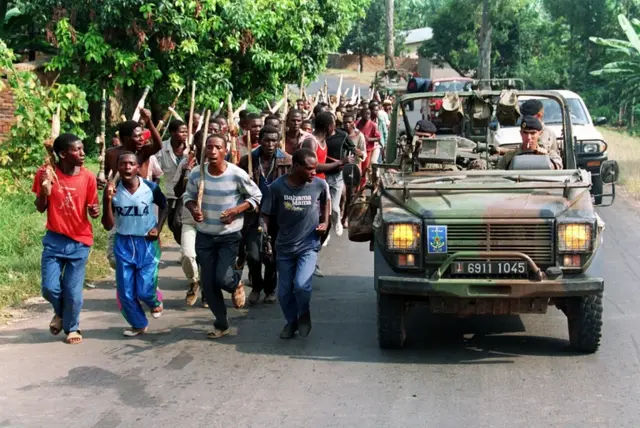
[391, 82]
[454, 236]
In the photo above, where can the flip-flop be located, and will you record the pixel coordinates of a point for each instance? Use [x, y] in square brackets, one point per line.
[217, 333]
[55, 326]
[238, 296]
[133, 332]
[74, 338]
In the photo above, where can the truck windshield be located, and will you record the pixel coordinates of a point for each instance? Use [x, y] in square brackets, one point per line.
[450, 86]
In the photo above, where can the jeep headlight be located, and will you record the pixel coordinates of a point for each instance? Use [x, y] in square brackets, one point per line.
[403, 237]
[575, 238]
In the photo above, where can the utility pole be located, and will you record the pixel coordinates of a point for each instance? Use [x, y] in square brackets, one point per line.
[484, 70]
[390, 51]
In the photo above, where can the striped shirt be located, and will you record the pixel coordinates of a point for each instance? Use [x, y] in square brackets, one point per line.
[221, 193]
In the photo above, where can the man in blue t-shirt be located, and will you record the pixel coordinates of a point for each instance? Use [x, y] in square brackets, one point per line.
[129, 207]
[298, 201]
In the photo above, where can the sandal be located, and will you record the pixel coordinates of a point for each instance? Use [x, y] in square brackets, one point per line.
[238, 296]
[55, 326]
[133, 332]
[74, 338]
[217, 333]
[157, 311]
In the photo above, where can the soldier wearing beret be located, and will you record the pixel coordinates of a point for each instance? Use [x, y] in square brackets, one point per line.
[425, 129]
[530, 131]
[548, 138]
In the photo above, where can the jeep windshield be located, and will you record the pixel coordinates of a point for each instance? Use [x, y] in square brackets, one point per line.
[553, 114]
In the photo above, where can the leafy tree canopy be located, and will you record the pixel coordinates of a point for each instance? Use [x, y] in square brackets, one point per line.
[250, 47]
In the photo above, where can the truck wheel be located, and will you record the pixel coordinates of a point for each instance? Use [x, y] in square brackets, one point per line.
[585, 323]
[391, 314]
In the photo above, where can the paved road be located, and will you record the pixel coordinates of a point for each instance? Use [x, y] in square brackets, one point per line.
[507, 372]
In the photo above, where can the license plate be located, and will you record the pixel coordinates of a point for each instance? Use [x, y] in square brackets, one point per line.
[498, 268]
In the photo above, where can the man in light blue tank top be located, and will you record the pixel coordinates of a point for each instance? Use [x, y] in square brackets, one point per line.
[129, 207]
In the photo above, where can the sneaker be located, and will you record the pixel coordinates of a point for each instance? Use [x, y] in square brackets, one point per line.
[327, 241]
[288, 331]
[304, 323]
[317, 272]
[270, 298]
[339, 229]
[254, 296]
[192, 294]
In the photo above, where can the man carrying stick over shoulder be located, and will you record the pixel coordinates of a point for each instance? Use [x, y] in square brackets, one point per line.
[73, 194]
[228, 193]
[268, 164]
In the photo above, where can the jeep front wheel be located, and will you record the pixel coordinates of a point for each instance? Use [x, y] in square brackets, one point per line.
[585, 322]
[391, 314]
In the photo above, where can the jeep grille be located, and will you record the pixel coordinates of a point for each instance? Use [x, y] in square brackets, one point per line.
[534, 240]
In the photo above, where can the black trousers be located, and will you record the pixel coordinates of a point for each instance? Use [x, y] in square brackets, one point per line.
[216, 255]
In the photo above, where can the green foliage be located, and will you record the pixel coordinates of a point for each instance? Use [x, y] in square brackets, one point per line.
[367, 38]
[250, 47]
[35, 107]
[626, 70]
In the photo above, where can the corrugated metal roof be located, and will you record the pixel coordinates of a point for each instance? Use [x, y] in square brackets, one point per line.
[418, 35]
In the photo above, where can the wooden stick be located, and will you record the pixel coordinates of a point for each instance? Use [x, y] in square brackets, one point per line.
[242, 107]
[193, 102]
[250, 156]
[140, 106]
[302, 84]
[284, 117]
[50, 160]
[103, 137]
[202, 154]
[167, 115]
[276, 107]
[214, 115]
[201, 116]
[175, 114]
[233, 129]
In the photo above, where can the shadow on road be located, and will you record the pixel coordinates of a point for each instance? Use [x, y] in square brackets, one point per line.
[344, 329]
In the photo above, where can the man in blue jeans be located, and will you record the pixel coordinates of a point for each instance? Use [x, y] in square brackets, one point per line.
[298, 201]
[67, 194]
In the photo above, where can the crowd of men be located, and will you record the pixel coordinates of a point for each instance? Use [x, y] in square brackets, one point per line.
[262, 200]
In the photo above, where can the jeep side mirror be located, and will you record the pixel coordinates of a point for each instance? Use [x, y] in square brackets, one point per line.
[609, 171]
[599, 121]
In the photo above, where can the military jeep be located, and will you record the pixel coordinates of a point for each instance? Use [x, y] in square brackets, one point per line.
[465, 240]
[390, 82]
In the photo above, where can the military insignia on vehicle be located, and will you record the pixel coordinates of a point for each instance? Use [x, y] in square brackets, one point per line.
[437, 239]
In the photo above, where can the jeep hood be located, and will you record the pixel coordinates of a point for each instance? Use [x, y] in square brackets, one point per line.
[520, 204]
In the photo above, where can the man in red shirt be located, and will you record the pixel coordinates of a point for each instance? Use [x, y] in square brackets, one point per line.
[67, 196]
[369, 129]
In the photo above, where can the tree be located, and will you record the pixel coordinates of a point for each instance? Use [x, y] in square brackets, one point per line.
[625, 72]
[367, 37]
[253, 47]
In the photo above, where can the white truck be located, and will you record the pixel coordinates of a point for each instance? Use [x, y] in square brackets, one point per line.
[590, 147]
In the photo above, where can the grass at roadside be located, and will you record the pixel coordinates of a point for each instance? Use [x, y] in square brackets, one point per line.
[626, 150]
[21, 231]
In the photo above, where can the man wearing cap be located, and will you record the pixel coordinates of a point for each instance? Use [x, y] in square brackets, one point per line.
[530, 131]
[425, 129]
[548, 138]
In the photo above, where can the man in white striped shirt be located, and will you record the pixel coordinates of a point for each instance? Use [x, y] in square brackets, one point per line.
[228, 193]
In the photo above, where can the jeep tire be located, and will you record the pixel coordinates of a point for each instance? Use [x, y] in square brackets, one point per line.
[584, 316]
[391, 317]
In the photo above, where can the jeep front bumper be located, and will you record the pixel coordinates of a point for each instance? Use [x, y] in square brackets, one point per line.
[390, 281]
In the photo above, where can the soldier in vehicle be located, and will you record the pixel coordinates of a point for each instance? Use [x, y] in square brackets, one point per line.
[530, 131]
[548, 138]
